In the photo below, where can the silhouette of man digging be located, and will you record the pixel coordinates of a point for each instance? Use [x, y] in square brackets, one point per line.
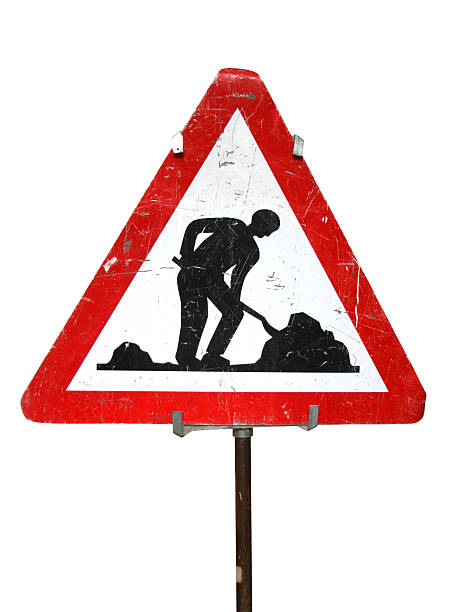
[231, 243]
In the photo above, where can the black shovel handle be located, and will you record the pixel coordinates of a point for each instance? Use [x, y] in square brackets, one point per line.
[269, 329]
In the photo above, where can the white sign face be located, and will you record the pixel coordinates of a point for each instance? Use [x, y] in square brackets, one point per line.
[233, 183]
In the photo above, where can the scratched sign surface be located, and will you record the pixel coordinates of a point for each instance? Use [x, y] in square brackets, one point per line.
[231, 295]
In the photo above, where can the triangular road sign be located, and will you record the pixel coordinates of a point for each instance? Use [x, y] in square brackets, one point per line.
[231, 295]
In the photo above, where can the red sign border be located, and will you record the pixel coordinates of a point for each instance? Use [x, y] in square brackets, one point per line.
[47, 400]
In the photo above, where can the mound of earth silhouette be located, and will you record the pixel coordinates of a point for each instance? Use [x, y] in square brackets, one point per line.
[129, 356]
[302, 346]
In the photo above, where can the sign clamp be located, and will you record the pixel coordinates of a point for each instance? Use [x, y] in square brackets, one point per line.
[181, 430]
[298, 144]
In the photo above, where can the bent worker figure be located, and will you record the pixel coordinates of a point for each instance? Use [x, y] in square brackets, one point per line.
[231, 243]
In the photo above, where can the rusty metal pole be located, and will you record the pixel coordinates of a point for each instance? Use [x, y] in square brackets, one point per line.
[243, 519]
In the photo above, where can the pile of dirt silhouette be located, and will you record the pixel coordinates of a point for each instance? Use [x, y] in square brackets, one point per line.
[129, 356]
[302, 346]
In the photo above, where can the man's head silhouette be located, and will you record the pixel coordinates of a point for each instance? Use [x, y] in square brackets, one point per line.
[264, 223]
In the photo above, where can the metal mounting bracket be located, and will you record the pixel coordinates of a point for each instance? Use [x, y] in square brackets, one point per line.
[313, 417]
[239, 431]
[178, 428]
[177, 144]
[181, 430]
[298, 144]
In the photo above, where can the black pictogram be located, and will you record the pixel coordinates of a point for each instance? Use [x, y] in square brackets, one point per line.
[302, 346]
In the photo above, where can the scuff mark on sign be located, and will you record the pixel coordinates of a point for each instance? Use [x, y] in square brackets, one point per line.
[109, 263]
[357, 297]
[121, 273]
[241, 95]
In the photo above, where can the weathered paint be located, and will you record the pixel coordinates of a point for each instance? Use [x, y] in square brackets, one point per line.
[398, 395]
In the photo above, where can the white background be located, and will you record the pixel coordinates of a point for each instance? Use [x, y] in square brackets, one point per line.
[116, 518]
[148, 313]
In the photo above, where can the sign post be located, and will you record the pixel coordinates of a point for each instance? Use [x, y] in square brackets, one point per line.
[242, 454]
[231, 299]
